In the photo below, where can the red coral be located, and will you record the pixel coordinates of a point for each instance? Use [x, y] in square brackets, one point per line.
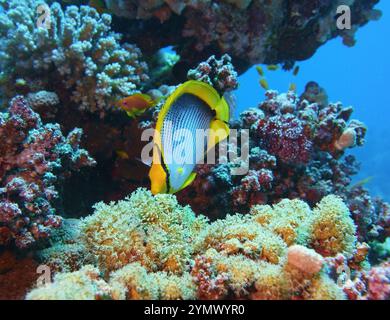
[211, 285]
[378, 280]
[33, 158]
[284, 136]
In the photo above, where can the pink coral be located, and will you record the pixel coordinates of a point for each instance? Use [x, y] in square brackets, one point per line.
[284, 136]
[33, 157]
[304, 259]
[378, 280]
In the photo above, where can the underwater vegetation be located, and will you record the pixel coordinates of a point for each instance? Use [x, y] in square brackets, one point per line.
[74, 195]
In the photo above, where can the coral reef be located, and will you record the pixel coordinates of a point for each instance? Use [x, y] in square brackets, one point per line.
[77, 56]
[292, 227]
[296, 150]
[66, 251]
[34, 159]
[150, 247]
[251, 31]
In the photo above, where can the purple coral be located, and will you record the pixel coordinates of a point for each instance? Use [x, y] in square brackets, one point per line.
[33, 158]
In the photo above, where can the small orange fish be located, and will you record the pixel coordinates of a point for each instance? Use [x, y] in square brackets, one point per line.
[260, 71]
[273, 67]
[122, 154]
[292, 87]
[136, 104]
[264, 84]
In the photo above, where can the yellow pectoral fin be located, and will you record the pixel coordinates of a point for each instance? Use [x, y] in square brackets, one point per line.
[219, 131]
[158, 179]
[189, 180]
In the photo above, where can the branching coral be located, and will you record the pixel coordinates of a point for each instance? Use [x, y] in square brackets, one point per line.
[78, 53]
[34, 157]
[152, 248]
[251, 31]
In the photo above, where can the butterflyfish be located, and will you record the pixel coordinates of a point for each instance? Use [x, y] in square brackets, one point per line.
[177, 148]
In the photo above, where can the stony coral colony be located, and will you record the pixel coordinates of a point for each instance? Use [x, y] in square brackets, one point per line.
[293, 227]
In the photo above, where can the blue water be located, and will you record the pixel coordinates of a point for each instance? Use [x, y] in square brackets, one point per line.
[357, 76]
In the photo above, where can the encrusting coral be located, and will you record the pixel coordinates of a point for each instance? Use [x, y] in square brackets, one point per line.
[76, 55]
[34, 159]
[150, 247]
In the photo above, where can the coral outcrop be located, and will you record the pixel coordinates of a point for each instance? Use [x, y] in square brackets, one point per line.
[34, 159]
[76, 55]
[150, 247]
[251, 31]
[220, 74]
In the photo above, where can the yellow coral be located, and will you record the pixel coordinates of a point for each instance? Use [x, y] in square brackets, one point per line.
[238, 234]
[155, 231]
[134, 282]
[323, 288]
[150, 247]
[289, 219]
[84, 284]
[271, 283]
[332, 229]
